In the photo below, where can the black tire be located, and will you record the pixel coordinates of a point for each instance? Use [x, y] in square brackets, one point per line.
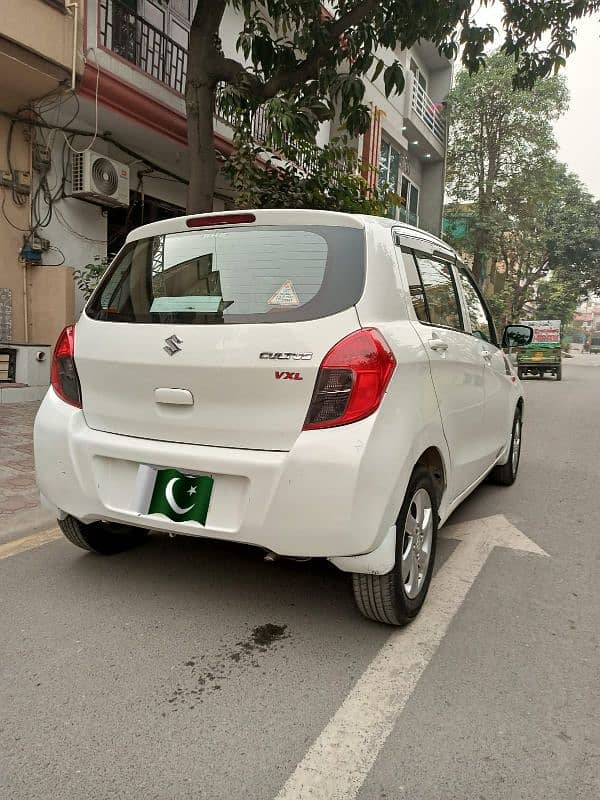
[520, 373]
[103, 538]
[559, 373]
[383, 597]
[506, 474]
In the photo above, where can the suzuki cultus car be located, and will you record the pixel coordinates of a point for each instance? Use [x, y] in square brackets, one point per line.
[313, 383]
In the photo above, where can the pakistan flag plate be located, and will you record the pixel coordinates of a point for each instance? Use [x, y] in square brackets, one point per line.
[181, 498]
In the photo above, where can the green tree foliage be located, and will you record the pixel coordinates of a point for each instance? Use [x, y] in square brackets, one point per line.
[87, 277]
[330, 180]
[557, 299]
[573, 236]
[529, 219]
[305, 62]
[498, 135]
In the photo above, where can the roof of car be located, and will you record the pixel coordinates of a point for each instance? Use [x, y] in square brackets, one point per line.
[284, 217]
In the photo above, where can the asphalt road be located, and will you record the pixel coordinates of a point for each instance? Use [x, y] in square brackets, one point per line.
[188, 669]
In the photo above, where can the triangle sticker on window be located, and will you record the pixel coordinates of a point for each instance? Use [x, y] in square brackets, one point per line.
[285, 296]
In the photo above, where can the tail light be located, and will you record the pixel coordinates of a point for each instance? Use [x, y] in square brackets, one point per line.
[63, 374]
[351, 381]
[211, 220]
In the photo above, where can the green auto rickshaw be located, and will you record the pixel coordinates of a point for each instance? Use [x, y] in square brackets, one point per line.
[544, 353]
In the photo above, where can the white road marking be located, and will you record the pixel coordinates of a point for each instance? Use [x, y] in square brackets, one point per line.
[338, 762]
[29, 543]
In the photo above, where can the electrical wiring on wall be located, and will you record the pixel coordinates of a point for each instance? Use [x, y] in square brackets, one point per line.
[46, 193]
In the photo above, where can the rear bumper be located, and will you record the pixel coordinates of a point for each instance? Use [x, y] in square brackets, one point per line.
[538, 366]
[327, 497]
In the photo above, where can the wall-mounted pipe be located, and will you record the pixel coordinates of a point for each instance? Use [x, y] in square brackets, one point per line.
[74, 7]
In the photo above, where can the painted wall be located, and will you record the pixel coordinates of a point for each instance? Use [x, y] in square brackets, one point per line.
[11, 239]
[41, 28]
[440, 83]
[432, 197]
[51, 302]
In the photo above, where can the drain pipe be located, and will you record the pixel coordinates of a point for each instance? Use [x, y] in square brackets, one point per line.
[75, 11]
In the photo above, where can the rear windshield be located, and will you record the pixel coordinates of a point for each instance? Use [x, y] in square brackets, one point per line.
[234, 275]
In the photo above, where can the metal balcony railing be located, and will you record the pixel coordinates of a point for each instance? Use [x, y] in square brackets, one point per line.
[130, 36]
[428, 111]
[223, 113]
[259, 128]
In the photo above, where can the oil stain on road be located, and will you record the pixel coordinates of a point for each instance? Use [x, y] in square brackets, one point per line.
[201, 675]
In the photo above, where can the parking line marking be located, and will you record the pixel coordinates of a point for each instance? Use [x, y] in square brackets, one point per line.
[29, 543]
[336, 765]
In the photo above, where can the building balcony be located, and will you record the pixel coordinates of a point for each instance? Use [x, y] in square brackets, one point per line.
[36, 49]
[131, 37]
[430, 113]
[425, 123]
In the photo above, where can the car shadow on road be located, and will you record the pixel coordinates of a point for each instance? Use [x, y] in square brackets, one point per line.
[201, 576]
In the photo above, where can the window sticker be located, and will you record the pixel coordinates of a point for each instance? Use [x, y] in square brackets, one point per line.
[199, 304]
[285, 296]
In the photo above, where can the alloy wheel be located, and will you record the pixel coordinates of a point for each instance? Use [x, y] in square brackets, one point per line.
[416, 543]
[516, 446]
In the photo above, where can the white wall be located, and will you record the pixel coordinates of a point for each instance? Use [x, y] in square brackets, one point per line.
[432, 197]
[77, 228]
[416, 170]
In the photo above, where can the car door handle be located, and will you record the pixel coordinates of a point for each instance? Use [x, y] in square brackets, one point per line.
[438, 345]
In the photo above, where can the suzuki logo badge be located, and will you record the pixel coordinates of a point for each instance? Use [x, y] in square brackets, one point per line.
[172, 345]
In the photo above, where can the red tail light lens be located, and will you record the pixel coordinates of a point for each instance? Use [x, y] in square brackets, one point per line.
[351, 381]
[63, 374]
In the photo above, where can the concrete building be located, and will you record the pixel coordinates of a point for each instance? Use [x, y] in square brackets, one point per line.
[129, 98]
[39, 46]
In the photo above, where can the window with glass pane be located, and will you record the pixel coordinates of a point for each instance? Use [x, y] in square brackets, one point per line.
[234, 275]
[404, 192]
[440, 291]
[410, 194]
[481, 323]
[389, 165]
[384, 160]
[389, 172]
[413, 205]
[415, 286]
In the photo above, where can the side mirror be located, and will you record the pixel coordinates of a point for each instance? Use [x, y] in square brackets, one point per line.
[517, 336]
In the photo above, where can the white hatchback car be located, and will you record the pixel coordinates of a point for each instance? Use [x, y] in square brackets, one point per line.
[313, 383]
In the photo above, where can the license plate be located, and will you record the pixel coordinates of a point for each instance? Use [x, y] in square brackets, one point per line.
[180, 497]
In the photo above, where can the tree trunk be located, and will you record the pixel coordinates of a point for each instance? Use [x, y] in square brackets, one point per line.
[479, 260]
[200, 102]
[200, 92]
[481, 247]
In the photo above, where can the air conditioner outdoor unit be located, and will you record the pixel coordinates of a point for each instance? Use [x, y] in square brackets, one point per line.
[101, 179]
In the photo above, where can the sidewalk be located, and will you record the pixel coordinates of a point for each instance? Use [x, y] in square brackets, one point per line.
[19, 499]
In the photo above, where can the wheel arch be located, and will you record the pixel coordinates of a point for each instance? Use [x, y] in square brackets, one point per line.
[433, 461]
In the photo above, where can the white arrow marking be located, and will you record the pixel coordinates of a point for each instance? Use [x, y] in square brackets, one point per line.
[340, 759]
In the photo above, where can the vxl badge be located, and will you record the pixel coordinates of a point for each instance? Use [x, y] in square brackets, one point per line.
[172, 345]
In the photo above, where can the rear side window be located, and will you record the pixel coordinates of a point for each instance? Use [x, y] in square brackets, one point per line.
[440, 292]
[481, 321]
[417, 293]
[234, 275]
